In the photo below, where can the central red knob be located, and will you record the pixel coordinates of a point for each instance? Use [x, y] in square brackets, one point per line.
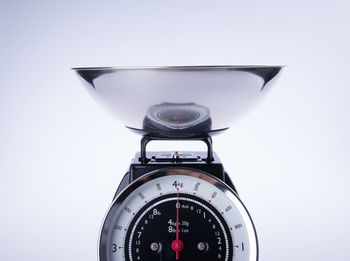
[177, 245]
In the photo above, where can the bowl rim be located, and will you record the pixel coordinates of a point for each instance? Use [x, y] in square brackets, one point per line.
[179, 67]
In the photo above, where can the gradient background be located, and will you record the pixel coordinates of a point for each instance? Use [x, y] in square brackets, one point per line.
[62, 157]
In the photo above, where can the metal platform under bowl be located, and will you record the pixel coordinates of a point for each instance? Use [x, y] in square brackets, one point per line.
[178, 101]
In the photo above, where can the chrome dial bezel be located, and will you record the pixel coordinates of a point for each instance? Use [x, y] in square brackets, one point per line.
[230, 193]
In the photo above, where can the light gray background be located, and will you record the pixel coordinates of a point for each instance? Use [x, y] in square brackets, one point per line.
[62, 157]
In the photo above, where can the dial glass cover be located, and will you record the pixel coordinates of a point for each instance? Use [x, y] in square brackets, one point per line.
[177, 214]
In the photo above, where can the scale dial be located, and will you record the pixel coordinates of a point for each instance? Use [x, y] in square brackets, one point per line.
[177, 214]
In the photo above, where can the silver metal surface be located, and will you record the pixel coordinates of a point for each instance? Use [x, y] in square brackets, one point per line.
[201, 246]
[154, 246]
[107, 224]
[178, 100]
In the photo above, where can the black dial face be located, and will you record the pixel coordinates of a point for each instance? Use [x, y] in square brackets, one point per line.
[178, 227]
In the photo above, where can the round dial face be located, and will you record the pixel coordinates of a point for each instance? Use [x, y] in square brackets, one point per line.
[178, 214]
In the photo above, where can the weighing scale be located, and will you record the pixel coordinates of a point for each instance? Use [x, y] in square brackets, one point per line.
[178, 205]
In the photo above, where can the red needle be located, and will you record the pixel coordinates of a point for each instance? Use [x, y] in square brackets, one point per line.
[177, 244]
[177, 121]
[177, 221]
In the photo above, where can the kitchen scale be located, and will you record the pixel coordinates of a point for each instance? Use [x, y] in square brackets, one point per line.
[178, 205]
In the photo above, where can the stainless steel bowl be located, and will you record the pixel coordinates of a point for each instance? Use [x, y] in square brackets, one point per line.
[178, 101]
